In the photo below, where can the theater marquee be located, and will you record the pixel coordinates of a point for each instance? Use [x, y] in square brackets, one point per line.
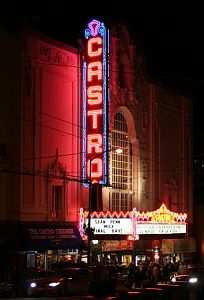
[135, 223]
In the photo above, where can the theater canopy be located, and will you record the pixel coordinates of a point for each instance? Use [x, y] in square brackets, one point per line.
[37, 236]
[170, 246]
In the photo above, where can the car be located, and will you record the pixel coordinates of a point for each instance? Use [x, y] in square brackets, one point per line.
[17, 286]
[104, 280]
[176, 278]
[193, 279]
[7, 290]
[44, 282]
[173, 291]
[150, 293]
[193, 275]
[77, 278]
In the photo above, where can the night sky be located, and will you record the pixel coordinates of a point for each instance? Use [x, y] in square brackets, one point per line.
[170, 35]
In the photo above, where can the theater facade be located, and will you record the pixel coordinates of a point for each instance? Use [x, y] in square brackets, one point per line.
[65, 109]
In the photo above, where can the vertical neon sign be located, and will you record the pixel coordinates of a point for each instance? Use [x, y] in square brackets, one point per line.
[95, 99]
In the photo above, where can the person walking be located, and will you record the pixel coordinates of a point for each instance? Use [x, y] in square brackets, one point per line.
[166, 274]
[155, 273]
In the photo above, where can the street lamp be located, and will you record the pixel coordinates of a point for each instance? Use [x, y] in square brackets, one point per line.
[89, 229]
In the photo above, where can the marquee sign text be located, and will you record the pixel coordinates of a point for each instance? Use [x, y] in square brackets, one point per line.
[135, 223]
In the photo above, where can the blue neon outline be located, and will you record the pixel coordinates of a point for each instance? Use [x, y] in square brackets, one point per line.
[104, 107]
[84, 123]
[102, 32]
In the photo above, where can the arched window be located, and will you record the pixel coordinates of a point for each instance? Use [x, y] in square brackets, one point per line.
[121, 171]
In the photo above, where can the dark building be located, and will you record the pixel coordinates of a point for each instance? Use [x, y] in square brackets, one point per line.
[198, 196]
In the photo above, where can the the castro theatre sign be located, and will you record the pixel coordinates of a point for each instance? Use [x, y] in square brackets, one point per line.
[134, 223]
[95, 102]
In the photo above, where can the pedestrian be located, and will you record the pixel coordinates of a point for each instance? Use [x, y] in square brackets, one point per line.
[130, 276]
[112, 279]
[99, 285]
[137, 277]
[12, 272]
[155, 273]
[166, 273]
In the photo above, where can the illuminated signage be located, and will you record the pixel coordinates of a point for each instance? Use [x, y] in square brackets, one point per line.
[95, 97]
[160, 228]
[124, 226]
[112, 226]
[135, 223]
[49, 236]
[117, 245]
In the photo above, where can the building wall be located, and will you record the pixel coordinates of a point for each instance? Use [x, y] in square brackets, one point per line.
[57, 139]
[10, 124]
[41, 126]
[43, 129]
[174, 150]
[41, 118]
[159, 120]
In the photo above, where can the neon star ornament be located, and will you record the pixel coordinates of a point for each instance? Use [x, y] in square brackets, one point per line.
[94, 27]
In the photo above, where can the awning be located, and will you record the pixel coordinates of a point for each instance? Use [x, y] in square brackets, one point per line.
[170, 246]
[142, 246]
[37, 236]
[184, 245]
[117, 245]
[167, 246]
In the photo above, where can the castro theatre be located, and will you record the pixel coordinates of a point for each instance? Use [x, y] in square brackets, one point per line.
[138, 199]
[133, 235]
[66, 110]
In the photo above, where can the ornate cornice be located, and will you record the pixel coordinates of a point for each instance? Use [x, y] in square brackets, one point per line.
[55, 168]
[53, 55]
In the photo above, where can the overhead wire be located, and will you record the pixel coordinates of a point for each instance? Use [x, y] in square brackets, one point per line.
[67, 122]
[71, 134]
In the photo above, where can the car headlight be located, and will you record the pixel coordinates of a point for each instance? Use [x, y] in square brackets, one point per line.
[53, 284]
[33, 285]
[193, 280]
[173, 279]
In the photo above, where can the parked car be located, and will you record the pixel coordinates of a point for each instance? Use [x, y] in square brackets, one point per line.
[7, 290]
[150, 293]
[77, 278]
[104, 281]
[173, 291]
[16, 287]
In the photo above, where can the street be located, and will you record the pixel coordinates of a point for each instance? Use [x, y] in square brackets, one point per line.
[46, 298]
